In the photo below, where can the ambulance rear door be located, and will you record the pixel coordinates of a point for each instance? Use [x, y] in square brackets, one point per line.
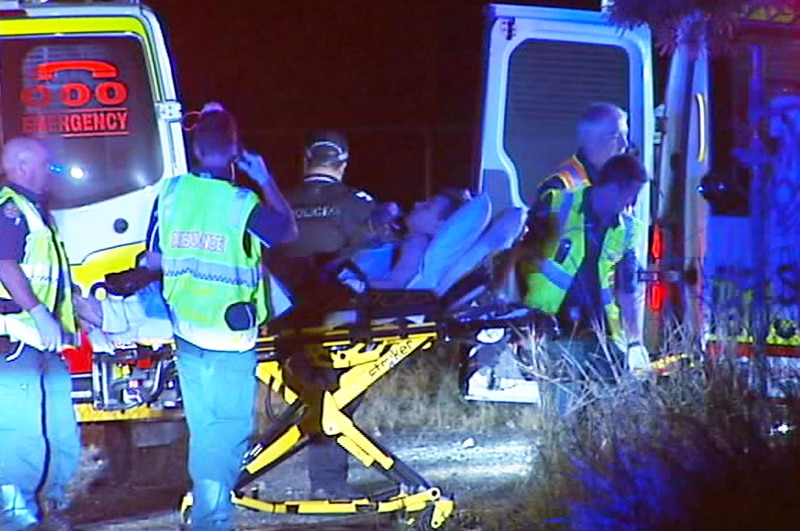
[543, 67]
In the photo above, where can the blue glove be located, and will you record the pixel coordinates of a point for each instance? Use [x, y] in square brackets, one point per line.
[253, 165]
[638, 358]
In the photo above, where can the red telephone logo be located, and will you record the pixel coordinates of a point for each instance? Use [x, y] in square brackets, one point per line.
[109, 93]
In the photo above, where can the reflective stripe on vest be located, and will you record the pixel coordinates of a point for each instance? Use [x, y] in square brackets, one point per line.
[45, 266]
[572, 173]
[212, 272]
[206, 267]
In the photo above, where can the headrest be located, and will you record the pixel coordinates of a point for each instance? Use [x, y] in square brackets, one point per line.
[504, 229]
[454, 237]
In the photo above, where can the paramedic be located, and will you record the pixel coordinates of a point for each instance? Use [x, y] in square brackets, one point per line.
[206, 235]
[333, 221]
[602, 133]
[39, 437]
[581, 247]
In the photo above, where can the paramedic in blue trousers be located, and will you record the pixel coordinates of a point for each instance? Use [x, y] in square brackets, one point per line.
[39, 437]
[332, 220]
[206, 236]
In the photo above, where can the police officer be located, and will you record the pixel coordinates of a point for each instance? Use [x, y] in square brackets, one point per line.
[39, 437]
[333, 220]
[583, 246]
[602, 133]
[206, 236]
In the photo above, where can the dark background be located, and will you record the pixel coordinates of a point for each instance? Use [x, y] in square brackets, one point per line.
[402, 78]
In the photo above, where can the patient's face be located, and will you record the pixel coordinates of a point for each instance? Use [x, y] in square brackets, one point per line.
[427, 216]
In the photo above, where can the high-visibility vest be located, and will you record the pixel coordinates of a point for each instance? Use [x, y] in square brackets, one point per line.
[572, 173]
[207, 269]
[549, 279]
[46, 267]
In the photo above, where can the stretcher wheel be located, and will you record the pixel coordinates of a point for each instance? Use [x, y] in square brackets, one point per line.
[420, 521]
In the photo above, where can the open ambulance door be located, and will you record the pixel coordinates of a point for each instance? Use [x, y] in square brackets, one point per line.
[543, 67]
[680, 213]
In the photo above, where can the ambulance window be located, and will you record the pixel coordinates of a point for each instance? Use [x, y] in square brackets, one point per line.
[550, 83]
[90, 101]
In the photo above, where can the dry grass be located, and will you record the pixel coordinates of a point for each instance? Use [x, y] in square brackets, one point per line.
[691, 451]
[423, 393]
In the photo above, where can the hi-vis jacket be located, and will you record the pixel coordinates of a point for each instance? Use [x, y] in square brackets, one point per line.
[551, 276]
[46, 267]
[213, 279]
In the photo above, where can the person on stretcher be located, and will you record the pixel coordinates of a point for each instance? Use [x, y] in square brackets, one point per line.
[421, 225]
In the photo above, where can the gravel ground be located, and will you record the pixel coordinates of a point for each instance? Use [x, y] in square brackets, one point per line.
[470, 466]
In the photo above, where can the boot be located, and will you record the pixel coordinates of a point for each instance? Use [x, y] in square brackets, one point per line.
[14, 512]
[212, 507]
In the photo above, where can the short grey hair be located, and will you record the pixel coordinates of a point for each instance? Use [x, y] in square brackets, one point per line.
[596, 116]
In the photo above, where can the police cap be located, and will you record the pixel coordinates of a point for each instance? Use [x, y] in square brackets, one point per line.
[329, 146]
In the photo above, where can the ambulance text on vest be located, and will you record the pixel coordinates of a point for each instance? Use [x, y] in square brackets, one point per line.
[198, 240]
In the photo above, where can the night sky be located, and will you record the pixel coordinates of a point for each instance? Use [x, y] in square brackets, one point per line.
[402, 78]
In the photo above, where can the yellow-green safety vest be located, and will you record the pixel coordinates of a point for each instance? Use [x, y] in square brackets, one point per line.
[549, 280]
[202, 225]
[46, 267]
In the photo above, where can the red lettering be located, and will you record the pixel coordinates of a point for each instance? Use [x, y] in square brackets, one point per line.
[75, 95]
[75, 123]
[36, 96]
[97, 122]
[111, 93]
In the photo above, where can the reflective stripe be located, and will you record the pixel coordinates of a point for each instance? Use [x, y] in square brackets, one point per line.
[628, 224]
[211, 272]
[606, 296]
[555, 275]
[574, 175]
[39, 272]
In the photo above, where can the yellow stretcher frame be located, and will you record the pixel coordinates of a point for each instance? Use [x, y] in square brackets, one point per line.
[364, 355]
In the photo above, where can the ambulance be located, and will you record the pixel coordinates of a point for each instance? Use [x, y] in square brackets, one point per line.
[705, 126]
[94, 81]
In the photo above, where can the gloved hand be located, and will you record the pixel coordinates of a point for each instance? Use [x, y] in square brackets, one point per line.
[254, 166]
[638, 358]
[50, 330]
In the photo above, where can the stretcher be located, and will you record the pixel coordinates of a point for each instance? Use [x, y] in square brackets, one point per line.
[363, 340]
[364, 337]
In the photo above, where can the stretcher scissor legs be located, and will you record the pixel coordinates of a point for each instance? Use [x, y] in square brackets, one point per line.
[311, 410]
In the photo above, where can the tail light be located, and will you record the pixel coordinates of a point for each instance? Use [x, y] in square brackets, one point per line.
[657, 291]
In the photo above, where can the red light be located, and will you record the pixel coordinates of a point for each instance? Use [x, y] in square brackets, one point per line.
[656, 293]
[657, 245]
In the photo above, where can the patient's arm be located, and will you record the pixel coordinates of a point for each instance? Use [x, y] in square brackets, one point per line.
[407, 265]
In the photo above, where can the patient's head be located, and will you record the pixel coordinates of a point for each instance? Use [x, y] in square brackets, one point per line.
[427, 216]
